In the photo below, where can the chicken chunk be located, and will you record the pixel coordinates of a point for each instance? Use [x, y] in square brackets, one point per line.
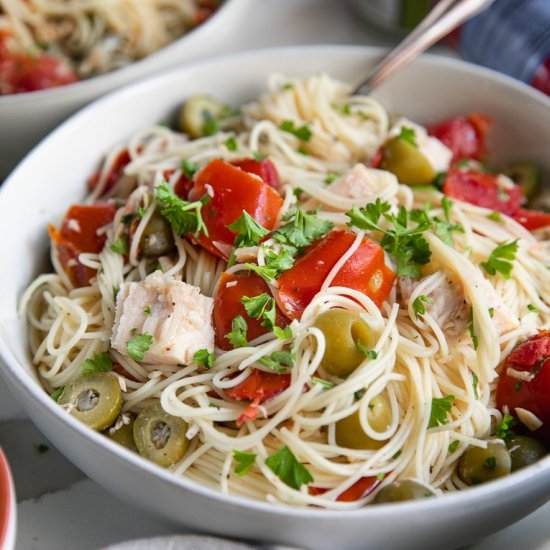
[174, 313]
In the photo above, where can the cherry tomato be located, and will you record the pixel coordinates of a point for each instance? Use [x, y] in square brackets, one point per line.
[115, 173]
[365, 271]
[233, 191]
[464, 136]
[360, 489]
[532, 219]
[227, 305]
[182, 186]
[265, 169]
[532, 356]
[78, 234]
[482, 189]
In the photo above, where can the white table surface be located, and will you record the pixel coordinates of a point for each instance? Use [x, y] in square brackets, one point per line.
[58, 506]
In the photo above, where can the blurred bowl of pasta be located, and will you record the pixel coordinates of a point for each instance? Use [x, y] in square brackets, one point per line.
[57, 56]
[432, 89]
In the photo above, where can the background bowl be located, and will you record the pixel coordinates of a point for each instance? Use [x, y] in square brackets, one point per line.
[7, 505]
[26, 118]
[53, 176]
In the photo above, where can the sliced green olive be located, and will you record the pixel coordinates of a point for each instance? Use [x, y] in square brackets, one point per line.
[403, 159]
[159, 436]
[406, 489]
[525, 450]
[157, 239]
[199, 115]
[526, 175]
[95, 399]
[343, 331]
[479, 465]
[124, 436]
[350, 434]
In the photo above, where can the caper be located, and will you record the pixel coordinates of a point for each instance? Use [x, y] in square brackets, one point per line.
[479, 465]
[199, 115]
[344, 333]
[403, 159]
[405, 489]
[524, 450]
[159, 436]
[350, 434]
[157, 239]
[526, 175]
[124, 435]
[94, 399]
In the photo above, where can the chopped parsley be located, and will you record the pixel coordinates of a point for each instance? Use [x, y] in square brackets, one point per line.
[244, 461]
[504, 429]
[205, 358]
[444, 228]
[275, 263]
[261, 307]
[100, 362]
[406, 244]
[370, 353]
[259, 156]
[283, 333]
[331, 176]
[471, 330]
[441, 407]
[454, 446]
[231, 143]
[184, 216]
[138, 346]
[533, 308]
[147, 311]
[408, 135]
[495, 216]
[120, 246]
[302, 228]
[278, 361]
[249, 231]
[501, 258]
[237, 335]
[57, 393]
[324, 383]
[288, 469]
[491, 311]
[302, 132]
[490, 463]
[475, 382]
[189, 168]
[418, 305]
[141, 212]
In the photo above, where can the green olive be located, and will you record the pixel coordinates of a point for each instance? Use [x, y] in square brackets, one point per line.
[406, 489]
[124, 436]
[403, 159]
[350, 434]
[199, 115]
[157, 239]
[524, 451]
[95, 399]
[479, 465]
[159, 436]
[343, 330]
[526, 175]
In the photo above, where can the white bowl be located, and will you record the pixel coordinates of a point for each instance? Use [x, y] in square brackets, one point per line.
[430, 89]
[26, 118]
[7, 506]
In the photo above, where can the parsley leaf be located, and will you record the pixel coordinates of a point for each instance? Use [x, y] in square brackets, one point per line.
[274, 264]
[331, 176]
[57, 393]
[278, 361]
[101, 362]
[302, 132]
[189, 168]
[261, 307]
[441, 407]
[205, 358]
[501, 258]
[408, 135]
[504, 429]
[370, 353]
[249, 231]
[120, 246]
[138, 346]
[283, 333]
[302, 229]
[286, 466]
[325, 383]
[244, 461]
[184, 216]
[418, 305]
[444, 228]
[237, 335]
[231, 143]
[533, 308]
[454, 446]
[475, 382]
[495, 216]
[471, 330]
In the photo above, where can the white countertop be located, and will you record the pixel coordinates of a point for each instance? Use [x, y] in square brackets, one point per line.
[58, 506]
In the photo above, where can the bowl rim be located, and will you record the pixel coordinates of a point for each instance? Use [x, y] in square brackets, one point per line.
[499, 489]
[123, 75]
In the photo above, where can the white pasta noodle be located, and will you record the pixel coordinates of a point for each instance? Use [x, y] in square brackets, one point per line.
[415, 358]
